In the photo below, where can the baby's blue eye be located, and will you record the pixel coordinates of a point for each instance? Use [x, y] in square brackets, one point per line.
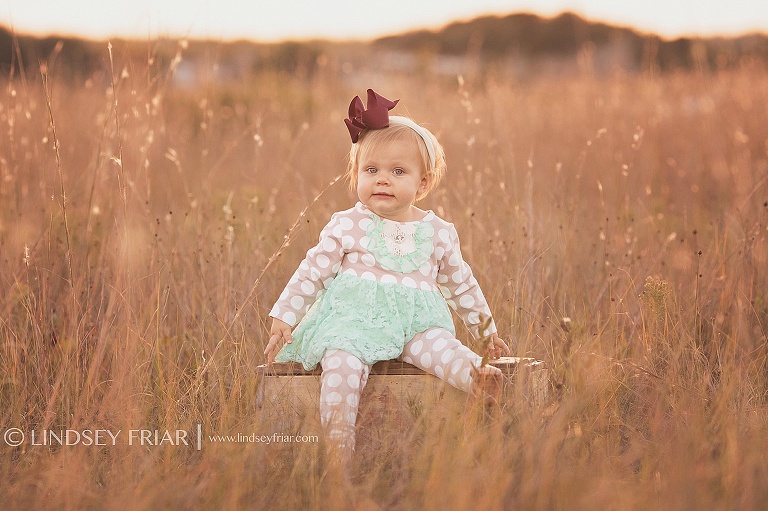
[371, 170]
[398, 172]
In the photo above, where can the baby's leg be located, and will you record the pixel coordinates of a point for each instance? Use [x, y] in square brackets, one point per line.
[438, 352]
[342, 382]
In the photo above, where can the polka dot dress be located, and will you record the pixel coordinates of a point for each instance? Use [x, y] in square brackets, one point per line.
[374, 289]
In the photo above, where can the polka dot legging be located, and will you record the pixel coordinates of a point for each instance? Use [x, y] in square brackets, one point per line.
[344, 376]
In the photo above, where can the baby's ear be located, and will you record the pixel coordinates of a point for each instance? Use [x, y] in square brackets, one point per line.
[426, 181]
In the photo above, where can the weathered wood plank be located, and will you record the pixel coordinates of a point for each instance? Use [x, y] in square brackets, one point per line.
[391, 367]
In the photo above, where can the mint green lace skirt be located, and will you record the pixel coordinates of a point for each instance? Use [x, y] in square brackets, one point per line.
[371, 320]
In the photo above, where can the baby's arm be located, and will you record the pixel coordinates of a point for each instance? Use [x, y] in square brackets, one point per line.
[315, 272]
[463, 293]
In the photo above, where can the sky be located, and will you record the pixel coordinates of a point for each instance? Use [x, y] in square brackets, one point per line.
[272, 20]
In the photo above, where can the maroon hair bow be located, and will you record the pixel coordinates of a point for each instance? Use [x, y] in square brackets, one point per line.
[375, 117]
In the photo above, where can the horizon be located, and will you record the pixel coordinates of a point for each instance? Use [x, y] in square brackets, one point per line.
[235, 22]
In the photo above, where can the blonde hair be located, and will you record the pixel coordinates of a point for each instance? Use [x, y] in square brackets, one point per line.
[371, 139]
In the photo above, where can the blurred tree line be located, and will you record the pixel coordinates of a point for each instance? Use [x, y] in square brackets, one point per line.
[565, 36]
[490, 39]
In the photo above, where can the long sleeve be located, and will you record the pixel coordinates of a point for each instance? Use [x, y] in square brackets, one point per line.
[460, 288]
[313, 275]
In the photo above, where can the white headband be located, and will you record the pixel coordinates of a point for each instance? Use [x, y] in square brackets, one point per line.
[397, 119]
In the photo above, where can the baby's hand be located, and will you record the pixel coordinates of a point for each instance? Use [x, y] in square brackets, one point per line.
[496, 347]
[280, 331]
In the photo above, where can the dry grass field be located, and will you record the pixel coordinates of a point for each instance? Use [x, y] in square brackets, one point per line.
[618, 225]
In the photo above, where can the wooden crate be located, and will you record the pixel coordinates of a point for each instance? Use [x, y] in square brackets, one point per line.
[397, 393]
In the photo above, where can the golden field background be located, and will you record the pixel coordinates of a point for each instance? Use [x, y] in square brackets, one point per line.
[141, 221]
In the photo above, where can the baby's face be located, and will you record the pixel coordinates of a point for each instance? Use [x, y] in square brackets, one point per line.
[390, 177]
